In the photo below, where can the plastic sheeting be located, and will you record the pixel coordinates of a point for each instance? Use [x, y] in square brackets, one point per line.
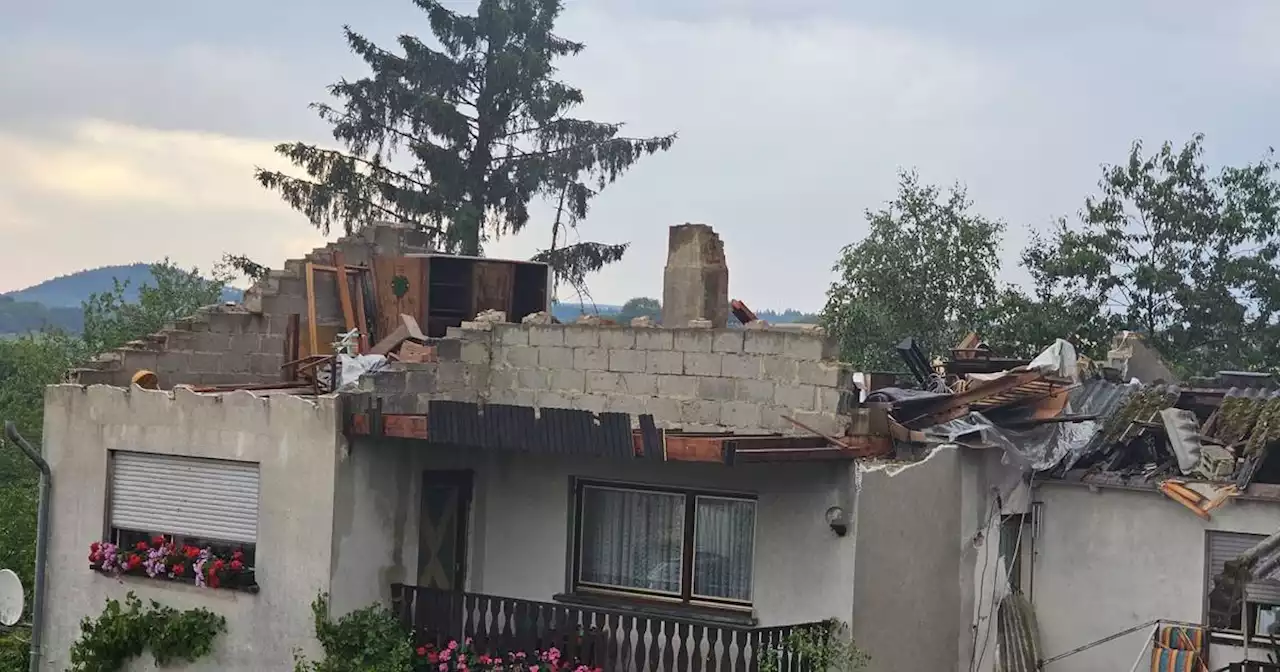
[351, 367]
[1042, 447]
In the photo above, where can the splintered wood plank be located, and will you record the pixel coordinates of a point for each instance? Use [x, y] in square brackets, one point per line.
[492, 286]
[313, 337]
[344, 292]
[399, 289]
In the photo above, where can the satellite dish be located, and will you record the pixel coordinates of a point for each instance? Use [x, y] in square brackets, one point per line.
[11, 599]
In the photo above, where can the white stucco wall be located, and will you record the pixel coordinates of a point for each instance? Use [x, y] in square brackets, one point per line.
[297, 444]
[519, 526]
[1108, 559]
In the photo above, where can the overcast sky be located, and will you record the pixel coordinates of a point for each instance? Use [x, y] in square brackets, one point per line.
[129, 131]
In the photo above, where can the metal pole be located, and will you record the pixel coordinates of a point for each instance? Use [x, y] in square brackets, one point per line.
[1145, 645]
[42, 541]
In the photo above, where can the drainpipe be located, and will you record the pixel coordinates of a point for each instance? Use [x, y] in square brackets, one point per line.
[42, 540]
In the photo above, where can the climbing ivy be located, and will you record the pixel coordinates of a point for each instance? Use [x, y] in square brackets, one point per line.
[123, 632]
[365, 640]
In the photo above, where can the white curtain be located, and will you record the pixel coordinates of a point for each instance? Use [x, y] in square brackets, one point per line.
[724, 542]
[632, 539]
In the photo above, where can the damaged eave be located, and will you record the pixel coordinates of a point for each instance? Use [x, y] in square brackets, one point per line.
[556, 431]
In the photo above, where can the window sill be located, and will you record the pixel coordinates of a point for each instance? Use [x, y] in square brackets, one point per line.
[244, 584]
[641, 606]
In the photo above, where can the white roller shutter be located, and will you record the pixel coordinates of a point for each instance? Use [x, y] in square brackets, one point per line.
[209, 499]
[1224, 546]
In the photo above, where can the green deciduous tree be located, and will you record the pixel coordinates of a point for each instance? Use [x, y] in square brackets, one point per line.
[640, 306]
[1185, 256]
[927, 268]
[173, 293]
[479, 126]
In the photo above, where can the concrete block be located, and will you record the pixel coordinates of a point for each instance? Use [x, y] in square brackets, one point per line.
[665, 412]
[452, 375]
[728, 340]
[271, 344]
[589, 402]
[232, 363]
[520, 356]
[591, 359]
[764, 342]
[753, 390]
[548, 335]
[503, 379]
[554, 357]
[796, 397]
[581, 337]
[419, 381]
[603, 382]
[679, 387]
[702, 363]
[511, 334]
[212, 341]
[552, 399]
[700, 412]
[664, 361]
[615, 338]
[514, 397]
[471, 353]
[265, 364]
[781, 369]
[826, 423]
[629, 361]
[828, 399]
[533, 379]
[654, 339]
[715, 389]
[740, 414]
[626, 403]
[805, 346]
[742, 366]
[640, 384]
[451, 349]
[771, 419]
[821, 373]
[693, 340]
[568, 380]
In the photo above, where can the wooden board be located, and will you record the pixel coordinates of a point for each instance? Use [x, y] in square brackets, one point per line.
[492, 286]
[325, 336]
[400, 287]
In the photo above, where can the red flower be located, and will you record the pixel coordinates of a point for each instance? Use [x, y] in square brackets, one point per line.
[95, 546]
[218, 564]
[157, 541]
[141, 546]
[134, 561]
[433, 657]
[191, 552]
[422, 650]
[178, 569]
[236, 565]
[238, 555]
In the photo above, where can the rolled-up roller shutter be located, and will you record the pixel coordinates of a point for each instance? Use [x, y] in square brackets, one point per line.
[185, 496]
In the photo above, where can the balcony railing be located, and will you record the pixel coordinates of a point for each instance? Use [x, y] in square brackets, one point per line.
[611, 639]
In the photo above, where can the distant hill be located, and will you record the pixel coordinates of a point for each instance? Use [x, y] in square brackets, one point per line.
[70, 291]
[20, 317]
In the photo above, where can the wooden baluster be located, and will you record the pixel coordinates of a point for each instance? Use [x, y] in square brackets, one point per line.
[642, 646]
[682, 642]
[740, 640]
[714, 656]
[699, 653]
[524, 638]
[725, 637]
[611, 642]
[668, 646]
[422, 618]
[788, 661]
[627, 650]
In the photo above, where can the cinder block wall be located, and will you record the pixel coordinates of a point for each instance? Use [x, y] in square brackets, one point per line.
[742, 380]
[245, 343]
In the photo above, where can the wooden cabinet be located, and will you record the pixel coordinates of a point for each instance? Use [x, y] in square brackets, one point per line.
[443, 291]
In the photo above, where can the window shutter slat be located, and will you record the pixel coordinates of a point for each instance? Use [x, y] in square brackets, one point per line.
[193, 497]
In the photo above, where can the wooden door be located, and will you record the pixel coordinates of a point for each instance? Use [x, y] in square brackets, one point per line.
[492, 285]
[442, 530]
[400, 287]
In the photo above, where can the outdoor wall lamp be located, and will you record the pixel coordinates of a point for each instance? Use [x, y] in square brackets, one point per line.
[838, 520]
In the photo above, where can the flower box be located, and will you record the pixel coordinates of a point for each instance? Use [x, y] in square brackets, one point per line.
[164, 560]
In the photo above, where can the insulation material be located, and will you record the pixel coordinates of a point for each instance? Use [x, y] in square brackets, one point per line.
[350, 368]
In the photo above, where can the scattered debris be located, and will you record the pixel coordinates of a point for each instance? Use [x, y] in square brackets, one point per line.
[540, 317]
[742, 312]
[408, 330]
[700, 323]
[642, 321]
[491, 316]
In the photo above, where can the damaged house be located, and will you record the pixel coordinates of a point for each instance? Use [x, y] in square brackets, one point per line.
[1129, 512]
[386, 425]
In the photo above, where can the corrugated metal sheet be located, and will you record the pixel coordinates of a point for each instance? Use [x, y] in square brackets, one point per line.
[1224, 546]
[520, 428]
[186, 496]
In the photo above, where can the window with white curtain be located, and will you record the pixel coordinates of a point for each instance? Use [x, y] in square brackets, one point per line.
[665, 544]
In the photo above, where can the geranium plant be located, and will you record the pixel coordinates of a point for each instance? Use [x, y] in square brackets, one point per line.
[461, 657]
[160, 558]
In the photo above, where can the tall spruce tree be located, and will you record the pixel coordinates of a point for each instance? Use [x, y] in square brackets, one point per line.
[456, 138]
